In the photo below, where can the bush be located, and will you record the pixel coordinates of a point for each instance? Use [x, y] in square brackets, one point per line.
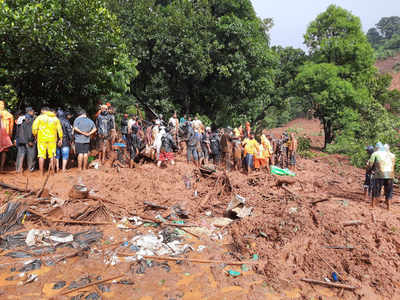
[304, 144]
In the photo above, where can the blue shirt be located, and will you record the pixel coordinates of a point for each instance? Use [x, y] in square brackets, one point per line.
[84, 124]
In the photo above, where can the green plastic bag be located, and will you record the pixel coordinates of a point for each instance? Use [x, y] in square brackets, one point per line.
[281, 172]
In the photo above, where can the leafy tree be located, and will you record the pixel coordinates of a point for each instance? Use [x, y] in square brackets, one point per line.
[285, 105]
[341, 81]
[374, 37]
[59, 52]
[210, 57]
[389, 26]
[385, 37]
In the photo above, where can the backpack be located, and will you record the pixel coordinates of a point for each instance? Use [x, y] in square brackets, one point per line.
[104, 125]
[214, 144]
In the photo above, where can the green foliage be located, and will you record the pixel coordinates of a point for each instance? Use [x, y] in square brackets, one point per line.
[385, 37]
[304, 144]
[287, 105]
[210, 57]
[56, 52]
[9, 96]
[336, 84]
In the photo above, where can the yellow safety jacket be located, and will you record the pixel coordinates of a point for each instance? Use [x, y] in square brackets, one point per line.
[46, 127]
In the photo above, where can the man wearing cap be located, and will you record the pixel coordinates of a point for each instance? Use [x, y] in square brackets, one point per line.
[26, 141]
[382, 162]
[83, 129]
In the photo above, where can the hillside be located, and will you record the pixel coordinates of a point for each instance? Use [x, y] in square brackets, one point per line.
[391, 65]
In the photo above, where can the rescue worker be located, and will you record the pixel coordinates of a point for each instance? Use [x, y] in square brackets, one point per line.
[47, 130]
[265, 142]
[383, 163]
[250, 149]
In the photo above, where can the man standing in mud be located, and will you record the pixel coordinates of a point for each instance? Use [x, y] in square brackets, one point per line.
[47, 130]
[83, 129]
[191, 142]
[382, 162]
[105, 125]
[226, 148]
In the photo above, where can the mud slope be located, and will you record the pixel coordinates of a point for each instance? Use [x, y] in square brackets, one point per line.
[285, 239]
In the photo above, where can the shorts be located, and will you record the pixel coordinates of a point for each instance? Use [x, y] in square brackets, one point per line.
[46, 149]
[192, 151]
[166, 156]
[63, 153]
[387, 185]
[103, 141]
[82, 148]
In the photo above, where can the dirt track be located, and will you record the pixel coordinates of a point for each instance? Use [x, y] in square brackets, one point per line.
[289, 234]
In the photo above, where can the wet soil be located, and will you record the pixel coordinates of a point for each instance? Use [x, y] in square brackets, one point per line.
[291, 237]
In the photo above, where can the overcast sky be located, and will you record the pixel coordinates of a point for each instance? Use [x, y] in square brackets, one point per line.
[292, 17]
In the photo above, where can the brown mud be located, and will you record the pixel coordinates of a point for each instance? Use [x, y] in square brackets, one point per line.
[291, 237]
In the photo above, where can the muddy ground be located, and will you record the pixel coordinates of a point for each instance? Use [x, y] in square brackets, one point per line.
[285, 239]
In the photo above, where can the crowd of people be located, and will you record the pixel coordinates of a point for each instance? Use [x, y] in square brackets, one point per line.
[54, 136]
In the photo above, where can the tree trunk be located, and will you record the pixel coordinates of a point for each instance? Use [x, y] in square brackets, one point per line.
[328, 132]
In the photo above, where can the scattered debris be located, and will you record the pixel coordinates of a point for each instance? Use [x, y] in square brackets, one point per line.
[79, 191]
[353, 223]
[154, 206]
[234, 273]
[340, 247]
[237, 209]
[12, 216]
[329, 284]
